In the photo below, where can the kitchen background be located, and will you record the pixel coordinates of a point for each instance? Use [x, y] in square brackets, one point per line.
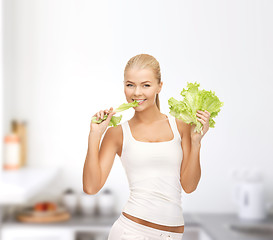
[63, 61]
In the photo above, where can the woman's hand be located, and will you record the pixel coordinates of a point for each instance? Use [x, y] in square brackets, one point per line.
[99, 128]
[203, 117]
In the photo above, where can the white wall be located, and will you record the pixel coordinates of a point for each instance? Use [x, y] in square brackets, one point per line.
[64, 61]
[1, 84]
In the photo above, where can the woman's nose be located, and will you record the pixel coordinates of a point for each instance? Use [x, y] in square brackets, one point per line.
[137, 91]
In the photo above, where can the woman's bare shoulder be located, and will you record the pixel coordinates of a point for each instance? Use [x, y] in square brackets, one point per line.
[118, 136]
[117, 133]
[182, 126]
[117, 130]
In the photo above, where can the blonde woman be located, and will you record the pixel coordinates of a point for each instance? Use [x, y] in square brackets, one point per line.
[151, 146]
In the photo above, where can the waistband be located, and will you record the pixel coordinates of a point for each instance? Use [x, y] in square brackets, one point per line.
[148, 231]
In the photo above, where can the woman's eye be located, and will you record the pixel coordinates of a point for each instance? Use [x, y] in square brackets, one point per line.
[132, 85]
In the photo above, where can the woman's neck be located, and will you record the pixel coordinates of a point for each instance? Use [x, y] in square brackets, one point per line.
[148, 116]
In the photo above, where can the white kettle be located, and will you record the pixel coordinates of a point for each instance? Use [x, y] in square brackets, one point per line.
[250, 198]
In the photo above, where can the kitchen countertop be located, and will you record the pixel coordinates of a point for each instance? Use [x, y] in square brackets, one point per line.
[215, 225]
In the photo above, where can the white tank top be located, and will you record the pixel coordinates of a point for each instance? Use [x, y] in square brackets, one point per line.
[153, 173]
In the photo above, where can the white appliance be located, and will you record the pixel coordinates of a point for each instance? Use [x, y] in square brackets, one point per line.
[250, 197]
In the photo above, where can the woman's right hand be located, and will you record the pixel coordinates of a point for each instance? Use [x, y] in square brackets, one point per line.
[99, 128]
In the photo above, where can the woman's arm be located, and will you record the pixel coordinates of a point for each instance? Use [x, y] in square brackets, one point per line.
[192, 172]
[191, 144]
[91, 169]
[99, 160]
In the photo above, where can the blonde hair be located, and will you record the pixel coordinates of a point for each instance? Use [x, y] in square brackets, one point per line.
[144, 61]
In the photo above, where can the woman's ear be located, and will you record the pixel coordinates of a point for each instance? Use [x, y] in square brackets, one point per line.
[160, 87]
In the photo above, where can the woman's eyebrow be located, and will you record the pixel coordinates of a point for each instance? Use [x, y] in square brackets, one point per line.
[142, 82]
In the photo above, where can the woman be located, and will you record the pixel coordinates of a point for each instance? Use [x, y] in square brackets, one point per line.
[151, 146]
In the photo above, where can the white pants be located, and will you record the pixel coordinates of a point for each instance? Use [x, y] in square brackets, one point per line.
[126, 229]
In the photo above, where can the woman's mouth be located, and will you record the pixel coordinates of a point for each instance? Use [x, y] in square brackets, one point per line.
[140, 101]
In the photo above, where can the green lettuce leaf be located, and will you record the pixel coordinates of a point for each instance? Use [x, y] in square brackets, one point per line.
[115, 120]
[195, 99]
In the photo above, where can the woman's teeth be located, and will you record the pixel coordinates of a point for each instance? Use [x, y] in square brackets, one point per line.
[140, 101]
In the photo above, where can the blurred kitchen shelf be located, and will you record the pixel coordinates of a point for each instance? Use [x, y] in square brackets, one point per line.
[95, 225]
[18, 186]
[77, 221]
[198, 226]
[80, 223]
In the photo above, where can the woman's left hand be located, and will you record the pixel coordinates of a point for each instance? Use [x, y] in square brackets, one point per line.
[203, 117]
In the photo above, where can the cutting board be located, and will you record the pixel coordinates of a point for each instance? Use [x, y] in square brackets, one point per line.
[58, 217]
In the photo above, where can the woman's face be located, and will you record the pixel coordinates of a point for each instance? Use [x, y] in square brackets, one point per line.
[141, 84]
